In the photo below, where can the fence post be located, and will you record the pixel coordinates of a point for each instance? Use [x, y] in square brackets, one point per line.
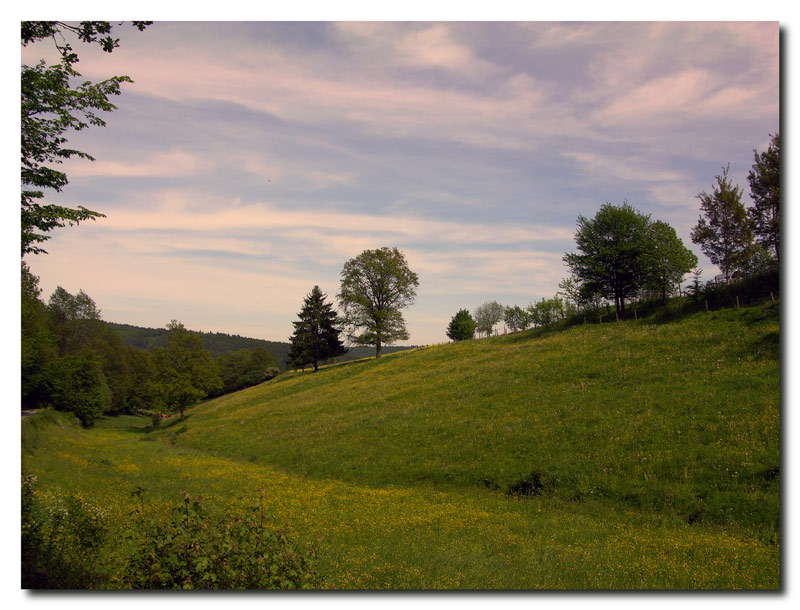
[737, 301]
[706, 304]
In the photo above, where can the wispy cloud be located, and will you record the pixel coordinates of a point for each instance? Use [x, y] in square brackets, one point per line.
[248, 161]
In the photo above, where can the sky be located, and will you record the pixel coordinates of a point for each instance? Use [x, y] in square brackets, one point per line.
[249, 160]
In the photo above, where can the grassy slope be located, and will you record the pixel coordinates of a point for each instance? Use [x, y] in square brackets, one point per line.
[656, 447]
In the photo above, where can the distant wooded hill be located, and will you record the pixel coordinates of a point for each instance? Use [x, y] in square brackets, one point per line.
[218, 344]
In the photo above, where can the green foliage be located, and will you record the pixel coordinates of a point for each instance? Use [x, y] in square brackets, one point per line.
[765, 190]
[217, 344]
[315, 336]
[197, 550]
[38, 352]
[75, 320]
[613, 248]
[750, 290]
[462, 326]
[61, 541]
[51, 106]
[81, 387]
[546, 311]
[724, 235]
[487, 316]
[245, 368]
[375, 286]
[185, 371]
[516, 318]
[76, 325]
[668, 260]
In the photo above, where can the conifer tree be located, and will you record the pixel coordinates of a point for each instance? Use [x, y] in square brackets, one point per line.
[315, 335]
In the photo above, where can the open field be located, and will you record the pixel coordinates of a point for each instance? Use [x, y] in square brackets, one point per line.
[648, 454]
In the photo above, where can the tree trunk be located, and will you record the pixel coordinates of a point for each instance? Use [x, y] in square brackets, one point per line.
[378, 349]
[316, 368]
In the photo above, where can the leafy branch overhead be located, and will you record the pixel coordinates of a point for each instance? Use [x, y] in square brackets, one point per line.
[52, 106]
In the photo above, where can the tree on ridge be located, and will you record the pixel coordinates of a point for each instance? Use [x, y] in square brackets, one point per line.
[375, 286]
[315, 335]
[765, 190]
[462, 326]
[724, 234]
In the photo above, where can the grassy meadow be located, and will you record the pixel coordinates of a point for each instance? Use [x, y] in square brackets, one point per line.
[635, 455]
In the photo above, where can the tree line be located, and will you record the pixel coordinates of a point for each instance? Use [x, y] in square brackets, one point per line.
[72, 360]
[623, 256]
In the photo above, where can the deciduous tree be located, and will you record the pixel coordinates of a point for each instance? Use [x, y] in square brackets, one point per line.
[462, 326]
[765, 190]
[611, 252]
[81, 387]
[51, 106]
[668, 260]
[487, 316]
[186, 371]
[376, 286]
[516, 318]
[724, 234]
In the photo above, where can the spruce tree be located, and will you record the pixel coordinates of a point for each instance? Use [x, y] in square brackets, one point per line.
[315, 335]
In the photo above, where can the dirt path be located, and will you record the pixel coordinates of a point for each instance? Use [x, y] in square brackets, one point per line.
[26, 412]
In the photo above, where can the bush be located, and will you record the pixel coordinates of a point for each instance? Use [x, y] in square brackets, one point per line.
[195, 550]
[61, 542]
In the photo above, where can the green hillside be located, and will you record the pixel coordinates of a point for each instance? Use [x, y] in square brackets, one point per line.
[622, 455]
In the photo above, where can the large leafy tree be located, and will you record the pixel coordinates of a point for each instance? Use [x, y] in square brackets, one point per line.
[724, 233]
[316, 336]
[765, 190]
[461, 326]
[375, 286]
[611, 252]
[668, 260]
[52, 104]
[186, 371]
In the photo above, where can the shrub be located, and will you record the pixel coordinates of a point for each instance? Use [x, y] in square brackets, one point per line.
[61, 542]
[196, 550]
